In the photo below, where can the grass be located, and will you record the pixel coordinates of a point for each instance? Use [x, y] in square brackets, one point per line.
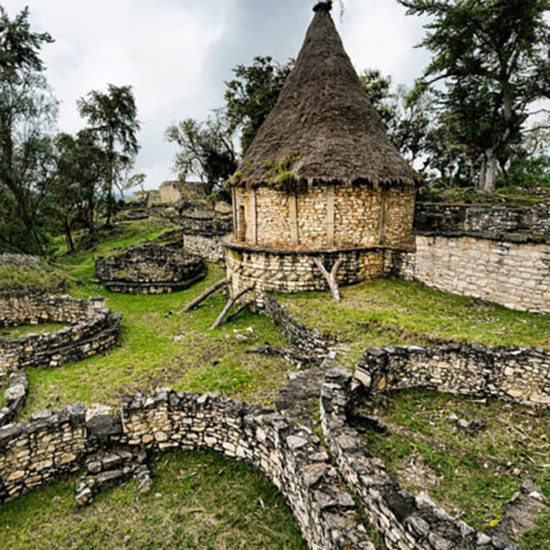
[199, 501]
[160, 348]
[42, 277]
[385, 312]
[24, 330]
[471, 474]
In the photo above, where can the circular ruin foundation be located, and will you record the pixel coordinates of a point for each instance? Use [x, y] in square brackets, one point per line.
[150, 269]
[92, 328]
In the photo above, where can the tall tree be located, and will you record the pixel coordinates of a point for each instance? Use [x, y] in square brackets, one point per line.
[251, 96]
[27, 112]
[206, 149]
[112, 116]
[493, 57]
[76, 190]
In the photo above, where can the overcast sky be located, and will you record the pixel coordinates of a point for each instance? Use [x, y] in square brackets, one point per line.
[178, 53]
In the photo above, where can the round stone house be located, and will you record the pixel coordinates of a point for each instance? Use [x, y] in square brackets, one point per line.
[320, 182]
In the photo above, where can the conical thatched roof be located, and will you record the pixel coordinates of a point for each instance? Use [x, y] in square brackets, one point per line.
[324, 115]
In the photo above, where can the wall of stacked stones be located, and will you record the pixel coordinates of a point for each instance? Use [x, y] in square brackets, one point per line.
[515, 274]
[310, 341]
[204, 232]
[93, 329]
[519, 375]
[326, 215]
[291, 456]
[290, 271]
[406, 521]
[496, 220]
[149, 269]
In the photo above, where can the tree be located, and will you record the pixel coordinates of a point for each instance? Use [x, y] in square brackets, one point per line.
[81, 169]
[206, 149]
[113, 118]
[27, 112]
[493, 57]
[250, 97]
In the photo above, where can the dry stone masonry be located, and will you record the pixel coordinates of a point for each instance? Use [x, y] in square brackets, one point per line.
[15, 396]
[204, 231]
[150, 269]
[406, 521]
[53, 443]
[93, 329]
[518, 375]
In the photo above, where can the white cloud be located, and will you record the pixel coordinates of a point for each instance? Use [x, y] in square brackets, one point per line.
[178, 53]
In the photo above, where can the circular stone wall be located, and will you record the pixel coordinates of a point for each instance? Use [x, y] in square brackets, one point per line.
[150, 269]
[290, 271]
[93, 328]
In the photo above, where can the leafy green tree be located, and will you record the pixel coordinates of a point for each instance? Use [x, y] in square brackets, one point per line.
[250, 97]
[27, 112]
[206, 149]
[76, 191]
[112, 116]
[493, 57]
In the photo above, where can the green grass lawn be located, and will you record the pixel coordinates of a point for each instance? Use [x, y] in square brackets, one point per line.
[24, 330]
[471, 474]
[384, 312]
[199, 501]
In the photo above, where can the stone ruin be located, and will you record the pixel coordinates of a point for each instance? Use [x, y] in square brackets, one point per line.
[150, 269]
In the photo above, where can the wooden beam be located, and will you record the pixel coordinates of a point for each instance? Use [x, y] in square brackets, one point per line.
[253, 217]
[330, 214]
[208, 292]
[231, 302]
[331, 277]
[293, 218]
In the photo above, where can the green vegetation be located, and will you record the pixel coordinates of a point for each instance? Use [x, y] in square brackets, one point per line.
[385, 312]
[469, 473]
[281, 176]
[199, 501]
[23, 330]
[41, 277]
[160, 348]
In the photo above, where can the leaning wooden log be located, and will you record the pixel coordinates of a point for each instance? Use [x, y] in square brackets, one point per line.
[236, 312]
[207, 293]
[229, 305]
[331, 277]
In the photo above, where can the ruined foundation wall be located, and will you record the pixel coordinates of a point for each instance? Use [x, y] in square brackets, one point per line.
[94, 328]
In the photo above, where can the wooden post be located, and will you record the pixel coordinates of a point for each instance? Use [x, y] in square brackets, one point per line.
[383, 214]
[204, 295]
[253, 217]
[231, 302]
[331, 277]
[330, 215]
[293, 218]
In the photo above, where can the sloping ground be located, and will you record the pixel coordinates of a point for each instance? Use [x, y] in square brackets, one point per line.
[199, 501]
[470, 456]
[394, 312]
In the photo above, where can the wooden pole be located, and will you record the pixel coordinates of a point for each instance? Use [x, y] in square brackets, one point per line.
[331, 277]
[204, 295]
[231, 302]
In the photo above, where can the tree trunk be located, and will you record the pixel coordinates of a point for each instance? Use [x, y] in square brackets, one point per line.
[330, 277]
[68, 236]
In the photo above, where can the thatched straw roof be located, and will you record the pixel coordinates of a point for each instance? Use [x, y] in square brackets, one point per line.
[324, 115]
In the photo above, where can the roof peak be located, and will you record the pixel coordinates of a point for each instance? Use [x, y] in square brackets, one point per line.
[324, 5]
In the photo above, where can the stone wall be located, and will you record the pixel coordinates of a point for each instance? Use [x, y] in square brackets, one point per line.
[494, 220]
[518, 375]
[515, 274]
[94, 328]
[309, 341]
[295, 271]
[150, 269]
[288, 454]
[406, 521]
[324, 216]
[204, 231]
